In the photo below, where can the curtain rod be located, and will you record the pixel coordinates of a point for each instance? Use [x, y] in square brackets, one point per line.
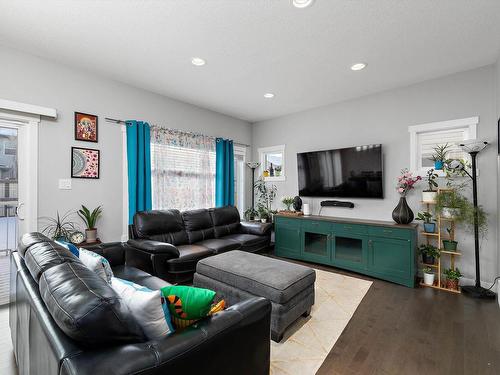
[116, 121]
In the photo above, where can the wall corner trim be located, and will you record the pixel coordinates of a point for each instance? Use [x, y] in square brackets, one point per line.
[28, 108]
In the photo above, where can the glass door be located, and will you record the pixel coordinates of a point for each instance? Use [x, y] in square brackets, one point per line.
[316, 241]
[350, 250]
[8, 205]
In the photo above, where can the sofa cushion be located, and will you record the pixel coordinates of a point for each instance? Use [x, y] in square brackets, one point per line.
[85, 307]
[29, 239]
[248, 241]
[96, 263]
[44, 255]
[199, 225]
[164, 226]
[191, 252]
[262, 276]
[220, 245]
[226, 220]
[139, 277]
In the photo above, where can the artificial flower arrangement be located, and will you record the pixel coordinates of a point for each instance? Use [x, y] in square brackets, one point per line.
[406, 182]
[287, 201]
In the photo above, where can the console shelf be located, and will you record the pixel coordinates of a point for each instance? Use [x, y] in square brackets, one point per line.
[381, 249]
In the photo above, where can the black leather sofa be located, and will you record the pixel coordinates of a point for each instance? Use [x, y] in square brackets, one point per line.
[64, 319]
[170, 243]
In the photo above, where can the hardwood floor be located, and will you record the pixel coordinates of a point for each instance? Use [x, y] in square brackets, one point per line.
[404, 331]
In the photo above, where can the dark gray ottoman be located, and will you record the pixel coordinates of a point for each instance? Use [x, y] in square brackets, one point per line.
[238, 275]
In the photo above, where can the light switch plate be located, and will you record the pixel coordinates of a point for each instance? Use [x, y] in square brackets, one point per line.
[64, 184]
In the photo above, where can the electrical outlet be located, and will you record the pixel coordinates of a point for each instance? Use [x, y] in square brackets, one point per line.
[64, 184]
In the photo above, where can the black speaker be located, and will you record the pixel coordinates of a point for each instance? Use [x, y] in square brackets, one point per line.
[337, 204]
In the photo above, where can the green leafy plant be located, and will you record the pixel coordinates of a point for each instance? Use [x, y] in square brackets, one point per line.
[60, 227]
[450, 199]
[263, 212]
[429, 250]
[452, 274]
[425, 216]
[250, 213]
[440, 152]
[88, 217]
[427, 270]
[287, 201]
[431, 180]
[265, 194]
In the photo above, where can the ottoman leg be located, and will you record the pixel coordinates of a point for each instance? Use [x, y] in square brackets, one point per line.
[307, 312]
[276, 337]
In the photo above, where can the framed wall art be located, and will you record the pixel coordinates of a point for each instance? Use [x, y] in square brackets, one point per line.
[85, 127]
[85, 163]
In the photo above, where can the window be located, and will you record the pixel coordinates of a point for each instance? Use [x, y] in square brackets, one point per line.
[239, 178]
[423, 138]
[272, 163]
[182, 170]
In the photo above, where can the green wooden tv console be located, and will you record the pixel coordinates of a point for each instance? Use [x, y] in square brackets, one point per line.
[381, 249]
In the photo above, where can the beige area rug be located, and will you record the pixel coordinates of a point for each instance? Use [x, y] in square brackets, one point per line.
[309, 340]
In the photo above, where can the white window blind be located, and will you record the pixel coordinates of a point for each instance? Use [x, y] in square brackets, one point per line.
[429, 140]
[183, 177]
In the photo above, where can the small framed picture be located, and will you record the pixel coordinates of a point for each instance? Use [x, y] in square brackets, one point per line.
[85, 127]
[85, 163]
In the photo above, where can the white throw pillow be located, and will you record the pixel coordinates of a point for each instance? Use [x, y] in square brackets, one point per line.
[147, 306]
[96, 263]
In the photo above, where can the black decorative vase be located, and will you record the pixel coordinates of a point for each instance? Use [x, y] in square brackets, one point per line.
[297, 203]
[402, 214]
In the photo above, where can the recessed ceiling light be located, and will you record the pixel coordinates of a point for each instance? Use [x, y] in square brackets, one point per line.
[268, 95]
[302, 3]
[198, 61]
[358, 66]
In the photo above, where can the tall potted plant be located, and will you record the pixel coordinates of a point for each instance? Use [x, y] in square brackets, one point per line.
[402, 214]
[90, 220]
[439, 156]
[429, 195]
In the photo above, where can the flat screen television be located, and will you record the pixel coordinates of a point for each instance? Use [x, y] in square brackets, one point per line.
[354, 172]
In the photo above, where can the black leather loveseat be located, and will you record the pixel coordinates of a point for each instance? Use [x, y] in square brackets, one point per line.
[65, 319]
[170, 243]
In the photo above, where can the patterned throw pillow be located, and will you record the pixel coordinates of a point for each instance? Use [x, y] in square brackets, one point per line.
[148, 307]
[187, 304]
[96, 263]
[68, 245]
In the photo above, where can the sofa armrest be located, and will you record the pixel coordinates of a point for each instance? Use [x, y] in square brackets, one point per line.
[259, 229]
[234, 341]
[155, 247]
[114, 252]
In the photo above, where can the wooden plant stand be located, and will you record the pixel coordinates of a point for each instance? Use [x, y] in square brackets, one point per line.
[439, 236]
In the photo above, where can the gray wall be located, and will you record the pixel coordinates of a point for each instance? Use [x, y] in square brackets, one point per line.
[32, 80]
[384, 118]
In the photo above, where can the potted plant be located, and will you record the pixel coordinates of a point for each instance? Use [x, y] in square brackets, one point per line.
[450, 204]
[452, 277]
[90, 219]
[263, 214]
[60, 227]
[439, 156]
[450, 244]
[429, 195]
[429, 225]
[428, 276]
[277, 170]
[265, 195]
[403, 214]
[429, 253]
[250, 214]
[287, 201]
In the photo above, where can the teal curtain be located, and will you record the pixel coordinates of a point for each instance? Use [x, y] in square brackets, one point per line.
[139, 167]
[224, 172]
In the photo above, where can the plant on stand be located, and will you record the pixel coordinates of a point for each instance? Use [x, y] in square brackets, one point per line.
[265, 197]
[439, 156]
[60, 227]
[429, 195]
[90, 220]
[451, 205]
[287, 201]
[428, 276]
[429, 224]
[452, 277]
[429, 253]
[263, 213]
[402, 214]
[450, 245]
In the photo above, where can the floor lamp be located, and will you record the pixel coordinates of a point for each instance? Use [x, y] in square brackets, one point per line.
[253, 165]
[473, 148]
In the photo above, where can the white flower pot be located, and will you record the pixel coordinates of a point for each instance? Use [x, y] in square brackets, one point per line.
[428, 278]
[263, 220]
[91, 235]
[429, 196]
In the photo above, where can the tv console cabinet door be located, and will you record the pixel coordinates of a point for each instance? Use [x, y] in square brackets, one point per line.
[350, 251]
[391, 259]
[316, 239]
[288, 239]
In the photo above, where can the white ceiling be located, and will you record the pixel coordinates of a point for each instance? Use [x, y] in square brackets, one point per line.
[258, 46]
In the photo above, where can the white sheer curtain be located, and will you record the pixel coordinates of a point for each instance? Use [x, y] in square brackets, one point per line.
[182, 169]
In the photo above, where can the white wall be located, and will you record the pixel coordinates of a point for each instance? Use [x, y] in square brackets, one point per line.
[29, 79]
[384, 118]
